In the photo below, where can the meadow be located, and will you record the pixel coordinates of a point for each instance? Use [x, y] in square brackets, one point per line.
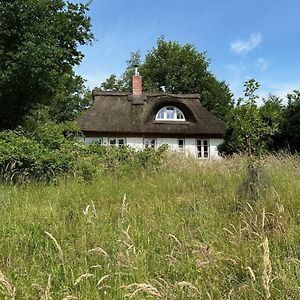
[179, 231]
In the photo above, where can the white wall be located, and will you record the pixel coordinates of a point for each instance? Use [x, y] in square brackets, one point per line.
[213, 147]
[190, 147]
[190, 144]
[136, 142]
[171, 142]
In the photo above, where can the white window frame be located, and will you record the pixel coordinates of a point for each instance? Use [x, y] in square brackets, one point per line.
[181, 147]
[117, 144]
[163, 114]
[151, 144]
[202, 148]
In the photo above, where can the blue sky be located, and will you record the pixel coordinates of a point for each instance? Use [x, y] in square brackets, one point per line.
[243, 38]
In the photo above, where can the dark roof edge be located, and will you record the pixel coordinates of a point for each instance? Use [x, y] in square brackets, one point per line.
[97, 93]
[89, 133]
[185, 96]
[124, 94]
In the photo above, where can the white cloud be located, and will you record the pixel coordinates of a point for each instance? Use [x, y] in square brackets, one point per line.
[281, 89]
[244, 46]
[262, 64]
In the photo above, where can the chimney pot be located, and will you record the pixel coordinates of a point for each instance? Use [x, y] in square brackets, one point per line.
[136, 70]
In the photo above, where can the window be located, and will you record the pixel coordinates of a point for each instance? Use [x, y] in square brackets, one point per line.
[149, 143]
[202, 148]
[170, 113]
[90, 140]
[117, 141]
[181, 144]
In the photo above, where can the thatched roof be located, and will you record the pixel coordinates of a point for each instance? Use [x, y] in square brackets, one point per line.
[125, 114]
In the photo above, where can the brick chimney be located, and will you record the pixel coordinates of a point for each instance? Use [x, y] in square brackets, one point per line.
[137, 89]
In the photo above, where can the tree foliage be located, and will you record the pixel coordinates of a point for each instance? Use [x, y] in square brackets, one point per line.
[39, 42]
[176, 68]
[290, 129]
[248, 128]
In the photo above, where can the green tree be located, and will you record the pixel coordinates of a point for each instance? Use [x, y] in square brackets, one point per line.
[290, 129]
[112, 83]
[182, 69]
[39, 42]
[272, 113]
[177, 68]
[248, 130]
[126, 78]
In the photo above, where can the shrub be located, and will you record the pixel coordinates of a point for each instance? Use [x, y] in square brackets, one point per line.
[54, 150]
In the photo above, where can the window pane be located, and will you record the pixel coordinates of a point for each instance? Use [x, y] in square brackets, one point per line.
[148, 142]
[170, 113]
[181, 144]
[205, 148]
[121, 142]
[160, 114]
[153, 143]
[179, 114]
[112, 141]
[199, 151]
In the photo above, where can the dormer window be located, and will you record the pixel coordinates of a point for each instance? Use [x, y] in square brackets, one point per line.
[170, 113]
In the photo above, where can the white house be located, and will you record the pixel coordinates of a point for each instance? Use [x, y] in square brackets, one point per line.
[142, 120]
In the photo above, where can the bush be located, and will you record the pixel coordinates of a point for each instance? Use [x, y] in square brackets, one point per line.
[54, 150]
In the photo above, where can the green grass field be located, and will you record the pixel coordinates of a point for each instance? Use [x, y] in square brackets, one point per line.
[180, 232]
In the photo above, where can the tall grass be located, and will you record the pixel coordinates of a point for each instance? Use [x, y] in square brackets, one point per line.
[172, 233]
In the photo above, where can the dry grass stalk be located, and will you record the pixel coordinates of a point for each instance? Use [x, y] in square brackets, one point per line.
[263, 219]
[128, 242]
[267, 269]
[164, 281]
[99, 250]
[44, 294]
[96, 267]
[126, 232]
[83, 276]
[293, 260]
[188, 285]
[174, 238]
[86, 210]
[70, 298]
[9, 288]
[201, 264]
[48, 288]
[228, 231]
[124, 206]
[142, 287]
[94, 208]
[61, 254]
[251, 272]
[103, 278]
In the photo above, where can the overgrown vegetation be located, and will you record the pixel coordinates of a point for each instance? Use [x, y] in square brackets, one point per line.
[54, 150]
[116, 223]
[173, 234]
